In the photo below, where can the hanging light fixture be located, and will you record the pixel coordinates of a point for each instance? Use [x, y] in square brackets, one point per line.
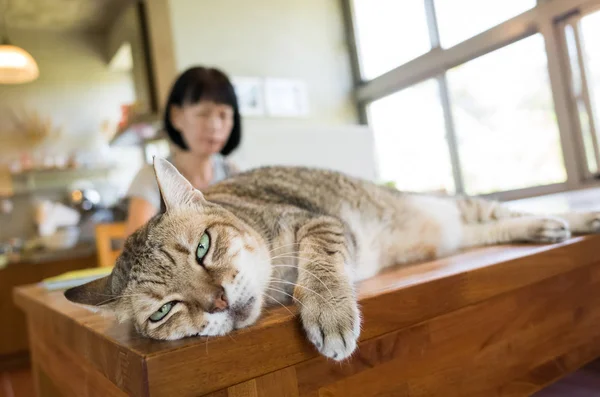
[16, 65]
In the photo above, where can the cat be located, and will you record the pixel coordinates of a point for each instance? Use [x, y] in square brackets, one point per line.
[210, 262]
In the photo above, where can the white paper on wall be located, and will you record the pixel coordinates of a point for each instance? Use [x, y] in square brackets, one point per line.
[286, 97]
[250, 94]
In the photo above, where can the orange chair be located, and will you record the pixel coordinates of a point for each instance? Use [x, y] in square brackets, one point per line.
[109, 242]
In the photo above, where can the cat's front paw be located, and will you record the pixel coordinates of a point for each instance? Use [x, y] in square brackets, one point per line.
[333, 327]
[547, 230]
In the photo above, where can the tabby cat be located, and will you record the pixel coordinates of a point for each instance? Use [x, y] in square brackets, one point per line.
[210, 262]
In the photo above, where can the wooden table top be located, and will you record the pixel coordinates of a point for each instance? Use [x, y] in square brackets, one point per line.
[398, 298]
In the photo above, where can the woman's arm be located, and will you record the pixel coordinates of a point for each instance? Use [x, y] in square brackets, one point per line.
[140, 211]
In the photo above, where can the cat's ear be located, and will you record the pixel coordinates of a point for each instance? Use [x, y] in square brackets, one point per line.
[175, 190]
[94, 293]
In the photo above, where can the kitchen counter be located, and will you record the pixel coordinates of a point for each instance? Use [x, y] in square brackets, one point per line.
[501, 320]
[81, 250]
[32, 268]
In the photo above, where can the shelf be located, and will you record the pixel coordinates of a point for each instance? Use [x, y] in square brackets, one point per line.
[128, 136]
[36, 180]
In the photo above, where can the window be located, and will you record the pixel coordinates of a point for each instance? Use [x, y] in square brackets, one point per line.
[460, 20]
[590, 40]
[479, 117]
[590, 29]
[504, 118]
[410, 139]
[581, 38]
[389, 33]
[579, 98]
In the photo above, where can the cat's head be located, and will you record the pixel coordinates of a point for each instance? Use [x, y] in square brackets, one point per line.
[196, 269]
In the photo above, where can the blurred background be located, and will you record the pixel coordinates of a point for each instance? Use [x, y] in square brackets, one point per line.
[494, 98]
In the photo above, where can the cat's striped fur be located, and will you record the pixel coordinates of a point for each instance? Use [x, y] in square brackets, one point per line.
[281, 234]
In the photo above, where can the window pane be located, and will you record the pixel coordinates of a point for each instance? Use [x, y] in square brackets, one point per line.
[586, 131]
[582, 113]
[505, 121]
[459, 20]
[389, 33]
[590, 30]
[574, 61]
[410, 139]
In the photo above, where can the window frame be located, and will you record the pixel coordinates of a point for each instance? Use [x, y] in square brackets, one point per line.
[546, 18]
[585, 95]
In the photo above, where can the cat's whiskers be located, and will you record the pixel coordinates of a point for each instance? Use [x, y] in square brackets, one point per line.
[231, 337]
[107, 301]
[118, 296]
[316, 261]
[291, 255]
[308, 272]
[114, 298]
[297, 257]
[285, 293]
[282, 305]
[298, 285]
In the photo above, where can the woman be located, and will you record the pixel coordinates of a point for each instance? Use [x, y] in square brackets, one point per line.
[203, 122]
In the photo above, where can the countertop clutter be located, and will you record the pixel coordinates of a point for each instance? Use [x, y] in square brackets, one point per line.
[41, 256]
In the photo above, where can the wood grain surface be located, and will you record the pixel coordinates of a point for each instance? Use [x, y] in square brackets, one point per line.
[13, 337]
[494, 320]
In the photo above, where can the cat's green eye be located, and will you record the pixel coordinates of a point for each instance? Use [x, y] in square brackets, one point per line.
[203, 247]
[162, 312]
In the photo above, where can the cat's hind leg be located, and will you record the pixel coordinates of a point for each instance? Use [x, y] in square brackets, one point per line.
[507, 225]
[536, 229]
[583, 222]
[477, 210]
[487, 222]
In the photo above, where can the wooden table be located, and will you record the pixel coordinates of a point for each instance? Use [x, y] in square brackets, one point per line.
[499, 321]
[13, 330]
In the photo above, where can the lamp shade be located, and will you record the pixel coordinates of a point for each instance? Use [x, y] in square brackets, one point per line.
[16, 65]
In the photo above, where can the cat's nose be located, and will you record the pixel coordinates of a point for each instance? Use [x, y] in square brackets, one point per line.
[220, 302]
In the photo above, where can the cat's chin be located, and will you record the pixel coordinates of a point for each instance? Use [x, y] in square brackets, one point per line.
[247, 314]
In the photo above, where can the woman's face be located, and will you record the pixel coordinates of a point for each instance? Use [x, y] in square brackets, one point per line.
[205, 126]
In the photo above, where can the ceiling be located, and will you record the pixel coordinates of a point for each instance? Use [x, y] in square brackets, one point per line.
[94, 16]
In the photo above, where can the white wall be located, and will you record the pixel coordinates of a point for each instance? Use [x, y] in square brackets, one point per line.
[75, 86]
[345, 148]
[299, 39]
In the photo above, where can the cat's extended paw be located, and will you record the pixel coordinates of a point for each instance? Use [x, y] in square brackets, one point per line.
[548, 230]
[332, 327]
[583, 222]
[595, 225]
[590, 223]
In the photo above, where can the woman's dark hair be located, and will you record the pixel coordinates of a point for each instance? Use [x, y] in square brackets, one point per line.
[197, 84]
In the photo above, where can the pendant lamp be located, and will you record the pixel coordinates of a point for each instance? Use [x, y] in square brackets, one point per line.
[16, 65]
